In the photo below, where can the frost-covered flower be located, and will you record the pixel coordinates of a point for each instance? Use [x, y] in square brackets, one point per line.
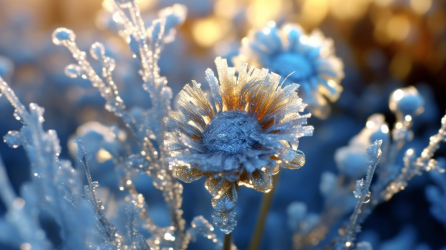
[249, 130]
[309, 57]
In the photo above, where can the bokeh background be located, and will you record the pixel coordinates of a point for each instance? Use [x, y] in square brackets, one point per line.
[384, 44]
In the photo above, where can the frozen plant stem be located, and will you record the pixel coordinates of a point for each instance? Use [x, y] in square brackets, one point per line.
[227, 241]
[264, 208]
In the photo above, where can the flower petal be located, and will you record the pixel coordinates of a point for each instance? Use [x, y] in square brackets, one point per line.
[262, 181]
[217, 185]
[226, 201]
[297, 162]
[188, 174]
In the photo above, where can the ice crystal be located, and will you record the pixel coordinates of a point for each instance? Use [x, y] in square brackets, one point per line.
[306, 59]
[241, 138]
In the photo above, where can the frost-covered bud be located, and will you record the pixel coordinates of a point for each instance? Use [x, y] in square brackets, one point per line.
[352, 162]
[62, 36]
[299, 219]
[406, 101]
[328, 184]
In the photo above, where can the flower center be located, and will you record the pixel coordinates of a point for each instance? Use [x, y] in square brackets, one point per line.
[230, 132]
[285, 63]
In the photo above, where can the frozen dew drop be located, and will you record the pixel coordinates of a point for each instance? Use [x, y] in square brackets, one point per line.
[367, 197]
[13, 139]
[97, 51]
[62, 36]
[73, 70]
[406, 101]
[95, 184]
[16, 115]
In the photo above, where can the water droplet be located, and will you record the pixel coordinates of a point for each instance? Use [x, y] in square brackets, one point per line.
[97, 51]
[367, 197]
[13, 139]
[95, 184]
[73, 70]
[62, 36]
[16, 115]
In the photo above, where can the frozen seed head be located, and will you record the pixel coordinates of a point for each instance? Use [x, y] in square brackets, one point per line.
[63, 36]
[406, 101]
[230, 132]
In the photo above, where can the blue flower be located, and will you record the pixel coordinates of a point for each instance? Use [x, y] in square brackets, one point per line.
[307, 60]
[243, 137]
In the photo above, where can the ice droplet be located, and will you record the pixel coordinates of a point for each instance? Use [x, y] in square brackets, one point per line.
[367, 197]
[73, 70]
[63, 35]
[13, 139]
[16, 115]
[97, 51]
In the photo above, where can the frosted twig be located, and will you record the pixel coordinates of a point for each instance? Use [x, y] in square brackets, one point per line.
[414, 166]
[106, 86]
[54, 183]
[362, 193]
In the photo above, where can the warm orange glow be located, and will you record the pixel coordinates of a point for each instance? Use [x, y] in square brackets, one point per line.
[398, 28]
[313, 12]
[420, 6]
[349, 9]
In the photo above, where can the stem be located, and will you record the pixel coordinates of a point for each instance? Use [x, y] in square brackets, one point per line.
[264, 208]
[227, 242]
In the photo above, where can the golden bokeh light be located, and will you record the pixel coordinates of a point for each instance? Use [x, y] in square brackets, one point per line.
[313, 12]
[420, 6]
[398, 28]
[260, 12]
[349, 9]
[208, 31]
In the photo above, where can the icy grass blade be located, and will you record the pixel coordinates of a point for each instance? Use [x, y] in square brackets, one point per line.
[108, 230]
[137, 240]
[362, 193]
